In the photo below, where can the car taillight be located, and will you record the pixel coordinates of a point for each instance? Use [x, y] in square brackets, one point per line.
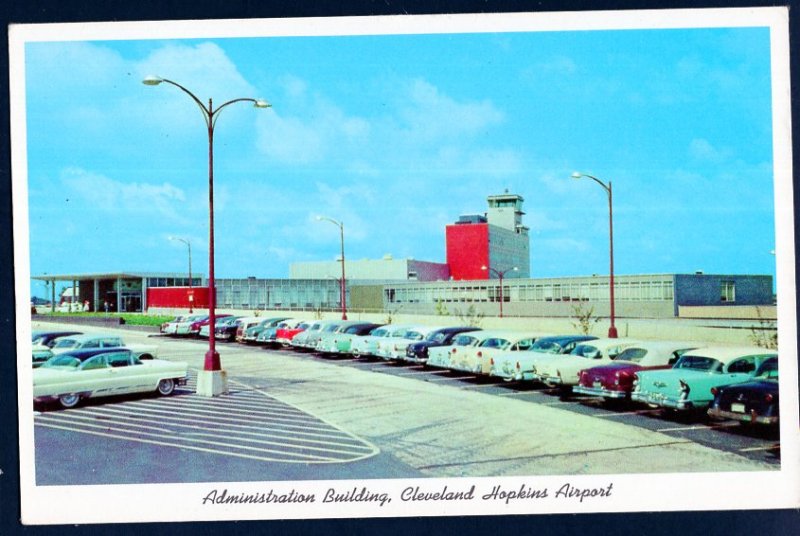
[453, 350]
[714, 391]
[480, 354]
[491, 361]
[518, 366]
[768, 397]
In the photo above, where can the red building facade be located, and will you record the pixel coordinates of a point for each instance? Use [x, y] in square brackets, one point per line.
[467, 250]
[178, 297]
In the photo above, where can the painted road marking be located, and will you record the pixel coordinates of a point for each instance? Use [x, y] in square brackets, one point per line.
[246, 424]
[698, 427]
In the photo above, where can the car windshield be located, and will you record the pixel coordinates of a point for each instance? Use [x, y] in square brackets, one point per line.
[352, 330]
[436, 336]
[65, 361]
[495, 342]
[331, 328]
[413, 335]
[768, 370]
[398, 332]
[464, 340]
[380, 332]
[696, 362]
[586, 350]
[37, 340]
[549, 347]
[631, 354]
[66, 343]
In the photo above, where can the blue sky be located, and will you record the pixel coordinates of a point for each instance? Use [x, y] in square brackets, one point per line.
[397, 136]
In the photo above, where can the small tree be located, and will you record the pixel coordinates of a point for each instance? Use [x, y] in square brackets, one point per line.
[390, 314]
[318, 312]
[765, 334]
[441, 308]
[470, 317]
[583, 318]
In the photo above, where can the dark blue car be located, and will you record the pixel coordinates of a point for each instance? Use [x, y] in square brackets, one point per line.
[755, 401]
[417, 352]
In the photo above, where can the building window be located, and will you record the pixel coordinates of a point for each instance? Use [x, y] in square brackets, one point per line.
[728, 291]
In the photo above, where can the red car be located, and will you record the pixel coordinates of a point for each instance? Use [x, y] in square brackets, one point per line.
[285, 335]
[615, 380]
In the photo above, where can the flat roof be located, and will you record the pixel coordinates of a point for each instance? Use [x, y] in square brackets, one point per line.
[110, 275]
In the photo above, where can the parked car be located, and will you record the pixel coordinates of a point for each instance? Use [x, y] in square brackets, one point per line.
[687, 385]
[330, 333]
[75, 375]
[81, 342]
[221, 321]
[269, 335]
[341, 342]
[284, 335]
[439, 356]
[43, 342]
[615, 380]
[169, 326]
[473, 359]
[393, 347]
[187, 326]
[249, 334]
[49, 338]
[308, 339]
[224, 328]
[417, 351]
[521, 365]
[563, 371]
[754, 401]
[365, 346]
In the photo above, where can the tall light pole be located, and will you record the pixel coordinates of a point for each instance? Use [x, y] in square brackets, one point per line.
[189, 245]
[211, 381]
[500, 274]
[612, 330]
[342, 283]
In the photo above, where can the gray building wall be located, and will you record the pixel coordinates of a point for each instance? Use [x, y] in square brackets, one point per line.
[508, 249]
[371, 269]
[707, 289]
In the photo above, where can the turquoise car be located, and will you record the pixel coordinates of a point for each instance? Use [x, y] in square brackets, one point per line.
[687, 385]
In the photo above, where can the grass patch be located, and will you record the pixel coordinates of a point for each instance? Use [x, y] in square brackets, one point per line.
[133, 319]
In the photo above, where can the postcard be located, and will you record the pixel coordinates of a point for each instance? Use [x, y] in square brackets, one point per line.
[463, 264]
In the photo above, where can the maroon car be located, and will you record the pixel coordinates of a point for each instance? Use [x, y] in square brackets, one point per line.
[615, 380]
[194, 328]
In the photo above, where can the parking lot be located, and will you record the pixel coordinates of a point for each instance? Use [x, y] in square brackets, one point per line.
[291, 415]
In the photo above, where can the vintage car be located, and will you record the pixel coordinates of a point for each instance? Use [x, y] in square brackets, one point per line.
[249, 334]
[310, 337]
[439, 356]
[366, 345]
[269, 335]
[287, 331]
[80, 342]
[341, 341]
[168, 328]
[520, 365]
[417, 352]
[395, 347]
[226, 330]
[329, 334]
[221, 321]
[615, 380]
[49, 338]
[72, 376]
[755, 401]
[186, 326]
[43, 342]
[687, 385]
[563, 371]
[475, 360]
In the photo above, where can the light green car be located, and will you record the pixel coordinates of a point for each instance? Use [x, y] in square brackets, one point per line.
[687, 385]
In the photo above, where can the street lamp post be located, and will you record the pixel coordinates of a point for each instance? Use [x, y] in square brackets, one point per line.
[342, 283]
[189, 245]
[612, 330]
[211, 381]
[500, 274]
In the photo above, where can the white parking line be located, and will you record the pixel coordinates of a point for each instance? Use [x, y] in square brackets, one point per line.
[623, 413]
[765, 447]
[450, 379]
[698, 427]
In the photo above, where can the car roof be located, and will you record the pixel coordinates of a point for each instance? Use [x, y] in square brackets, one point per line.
[729, 353]
[92, 336]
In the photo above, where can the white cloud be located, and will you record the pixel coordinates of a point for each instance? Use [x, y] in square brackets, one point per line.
[702, 149]
[101, 193]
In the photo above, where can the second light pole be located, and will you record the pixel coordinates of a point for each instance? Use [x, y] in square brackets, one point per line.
[500, 274]
[189, 245]
[612, 330]
[342, 283]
